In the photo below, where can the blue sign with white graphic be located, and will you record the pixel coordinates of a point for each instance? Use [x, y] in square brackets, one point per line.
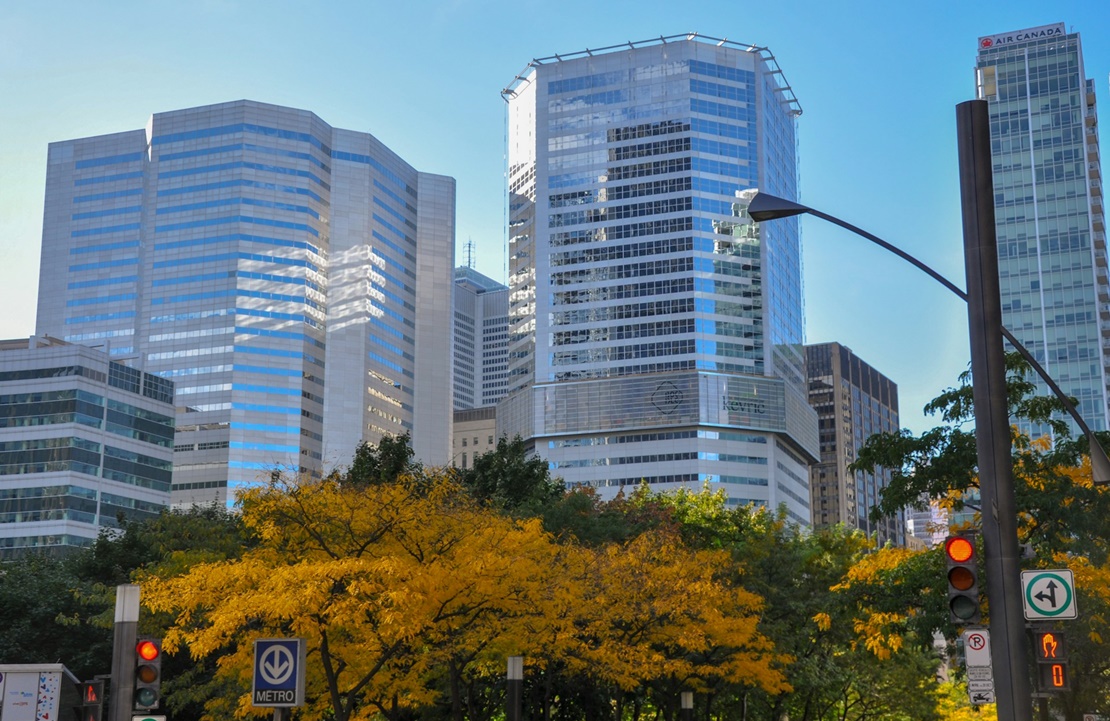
[278, 672]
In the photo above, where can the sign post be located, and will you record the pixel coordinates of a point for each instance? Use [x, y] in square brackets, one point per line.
[278, 673]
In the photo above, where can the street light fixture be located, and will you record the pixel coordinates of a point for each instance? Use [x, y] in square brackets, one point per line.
[769, 207]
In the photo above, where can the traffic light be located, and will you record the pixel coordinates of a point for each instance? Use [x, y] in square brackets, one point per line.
[963, 579]
[148, 674]
[1051, 653]
[92, 700]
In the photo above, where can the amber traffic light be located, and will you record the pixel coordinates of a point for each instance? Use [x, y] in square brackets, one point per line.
[963, 579]
[148, 674]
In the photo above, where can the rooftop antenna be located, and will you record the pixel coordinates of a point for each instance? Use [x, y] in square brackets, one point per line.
[468, 251]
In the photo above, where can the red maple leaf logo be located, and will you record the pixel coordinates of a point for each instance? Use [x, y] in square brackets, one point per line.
[987, 42]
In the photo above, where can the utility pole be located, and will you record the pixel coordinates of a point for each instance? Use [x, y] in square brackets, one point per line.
[992, 418]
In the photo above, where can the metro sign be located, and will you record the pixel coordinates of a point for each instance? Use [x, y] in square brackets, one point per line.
[278, 672]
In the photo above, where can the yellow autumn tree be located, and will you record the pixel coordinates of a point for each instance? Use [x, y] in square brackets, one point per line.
[386, 582]
[661, 612]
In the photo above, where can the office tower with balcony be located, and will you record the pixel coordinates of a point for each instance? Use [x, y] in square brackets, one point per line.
[1049, 208]
[853, 402]
[481, 317]
[84, 440]
[655, 331]
[293, 279]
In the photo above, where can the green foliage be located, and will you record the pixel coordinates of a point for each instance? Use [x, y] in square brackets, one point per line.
[391, 459]
[43, 619]
[509, 479]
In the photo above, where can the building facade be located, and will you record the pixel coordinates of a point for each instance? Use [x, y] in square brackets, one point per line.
[475, 433]
[654, 331]
[853, 402]
[84, 440]
[481, 354]
[1048, 207]
[293, 279]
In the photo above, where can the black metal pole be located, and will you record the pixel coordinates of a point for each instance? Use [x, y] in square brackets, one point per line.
[687, 706]
[515, 689]
[992, 420]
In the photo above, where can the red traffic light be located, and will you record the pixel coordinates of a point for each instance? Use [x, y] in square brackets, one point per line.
[959, 549]
[147, 650]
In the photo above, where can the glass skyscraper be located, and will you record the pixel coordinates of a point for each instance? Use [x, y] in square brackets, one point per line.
[83, 440]
[1048, 207]
[655, 331]
[294, 280]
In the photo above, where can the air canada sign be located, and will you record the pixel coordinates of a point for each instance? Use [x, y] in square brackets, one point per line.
[1021, 36]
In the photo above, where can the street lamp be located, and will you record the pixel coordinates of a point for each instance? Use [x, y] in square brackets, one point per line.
[768, 207]
[988, 375]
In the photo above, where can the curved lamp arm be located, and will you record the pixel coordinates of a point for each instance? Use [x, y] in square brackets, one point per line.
[768, 207]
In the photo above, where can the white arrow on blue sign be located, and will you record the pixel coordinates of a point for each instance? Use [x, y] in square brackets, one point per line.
[278, 672]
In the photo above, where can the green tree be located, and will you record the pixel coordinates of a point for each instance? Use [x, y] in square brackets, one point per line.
[391, 459]
[1060, 515]
[511, 479]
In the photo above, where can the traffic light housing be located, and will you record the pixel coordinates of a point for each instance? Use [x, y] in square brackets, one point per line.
[148, 674]
[1050, 650]
[92, 701]
[963, 579]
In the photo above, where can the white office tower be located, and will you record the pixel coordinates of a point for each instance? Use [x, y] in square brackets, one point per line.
[481, 339]
[294, 280]
[655, 331]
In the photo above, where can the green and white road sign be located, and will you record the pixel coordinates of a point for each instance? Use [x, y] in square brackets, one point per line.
[1048, 594]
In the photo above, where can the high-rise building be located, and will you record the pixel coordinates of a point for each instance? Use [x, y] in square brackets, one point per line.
[481, 352]
[929, 523]
[1048, 207]
[84, 440]
[655, 331]
[293, 279]
[853, 402]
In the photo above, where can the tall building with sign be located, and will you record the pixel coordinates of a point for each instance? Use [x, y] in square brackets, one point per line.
[1049, 207]
[853, 402]
[655, 331]
[293, 279]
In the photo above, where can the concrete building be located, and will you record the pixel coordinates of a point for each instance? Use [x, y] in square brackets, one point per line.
[853, 401]
[481, 353]
[475, 433]
[83, 441]
[293, 279]
[1049, 208]
[655, 331]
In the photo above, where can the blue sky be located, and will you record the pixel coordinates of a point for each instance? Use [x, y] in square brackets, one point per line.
[878, 81]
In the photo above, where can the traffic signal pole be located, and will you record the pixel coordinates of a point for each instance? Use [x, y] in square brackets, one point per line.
[123, 647]
[992, 418]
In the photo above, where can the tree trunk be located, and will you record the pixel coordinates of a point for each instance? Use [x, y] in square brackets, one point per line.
[456, 692]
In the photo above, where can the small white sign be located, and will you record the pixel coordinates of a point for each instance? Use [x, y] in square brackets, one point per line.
[1048, 594]
[980, 697]
[987, 685]
[977, 647]
[980, 673]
